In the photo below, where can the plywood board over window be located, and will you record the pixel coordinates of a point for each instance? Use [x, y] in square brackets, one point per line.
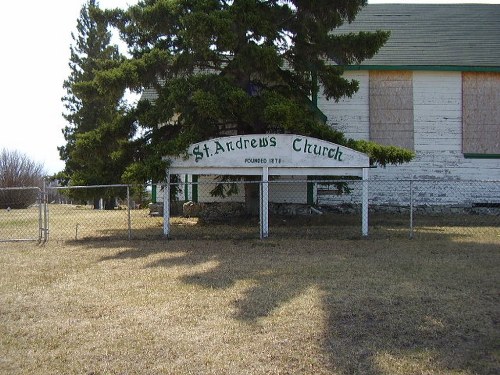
[391, 108]
[481, 113]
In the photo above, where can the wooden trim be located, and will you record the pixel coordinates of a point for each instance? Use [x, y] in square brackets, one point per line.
[194, 186]
[444, 68]
[481, 156]
[310, 191]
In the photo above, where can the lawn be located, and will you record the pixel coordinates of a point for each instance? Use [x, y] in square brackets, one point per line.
[280, 306]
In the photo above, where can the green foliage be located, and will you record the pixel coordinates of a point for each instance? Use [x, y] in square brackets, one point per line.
[97, 136]
[226, 187]
[237, 67]
[383, 155]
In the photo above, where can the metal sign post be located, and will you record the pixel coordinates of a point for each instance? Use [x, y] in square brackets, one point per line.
[264, 204]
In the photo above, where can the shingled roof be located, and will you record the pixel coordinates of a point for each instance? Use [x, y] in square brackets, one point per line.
[457, 35]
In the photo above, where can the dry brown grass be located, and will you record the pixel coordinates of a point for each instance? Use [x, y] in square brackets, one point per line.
[281, 306]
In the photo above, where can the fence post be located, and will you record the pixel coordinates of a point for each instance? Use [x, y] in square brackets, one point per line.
[166, 207]
[128, 214]
[411, 209]
[45, 213]
[364, 204]
[40, 220]
[264, 204]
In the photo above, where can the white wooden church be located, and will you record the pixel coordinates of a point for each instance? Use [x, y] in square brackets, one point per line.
[433, 88]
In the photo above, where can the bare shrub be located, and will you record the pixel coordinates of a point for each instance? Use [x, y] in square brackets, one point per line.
[18, 170]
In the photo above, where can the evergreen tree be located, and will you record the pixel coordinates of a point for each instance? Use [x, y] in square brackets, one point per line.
[237, 67]
[97, 132]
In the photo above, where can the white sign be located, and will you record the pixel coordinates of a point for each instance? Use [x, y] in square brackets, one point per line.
[270, 150]
[265, 155]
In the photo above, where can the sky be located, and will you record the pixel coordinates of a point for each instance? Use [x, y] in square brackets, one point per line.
[35, 37]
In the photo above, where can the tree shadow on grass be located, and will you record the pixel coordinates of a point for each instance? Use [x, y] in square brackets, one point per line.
[391, 306]
[320, 227]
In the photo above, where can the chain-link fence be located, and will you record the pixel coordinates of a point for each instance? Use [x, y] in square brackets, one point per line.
[332, 208]
[21, 215]
[204, 208]
[103, 211]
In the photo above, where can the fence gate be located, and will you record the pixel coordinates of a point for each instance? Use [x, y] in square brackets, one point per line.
[23, 214]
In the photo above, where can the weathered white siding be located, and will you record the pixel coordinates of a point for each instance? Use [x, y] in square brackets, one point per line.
[438, 131]
[438, 126]
[287, 189]
[438, 136]
[350, 115]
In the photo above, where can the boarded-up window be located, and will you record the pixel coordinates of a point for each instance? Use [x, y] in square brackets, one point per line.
[391, 108]
[481, 113]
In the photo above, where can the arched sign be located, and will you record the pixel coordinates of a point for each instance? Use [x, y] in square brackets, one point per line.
[270, 154]
[281, 153]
